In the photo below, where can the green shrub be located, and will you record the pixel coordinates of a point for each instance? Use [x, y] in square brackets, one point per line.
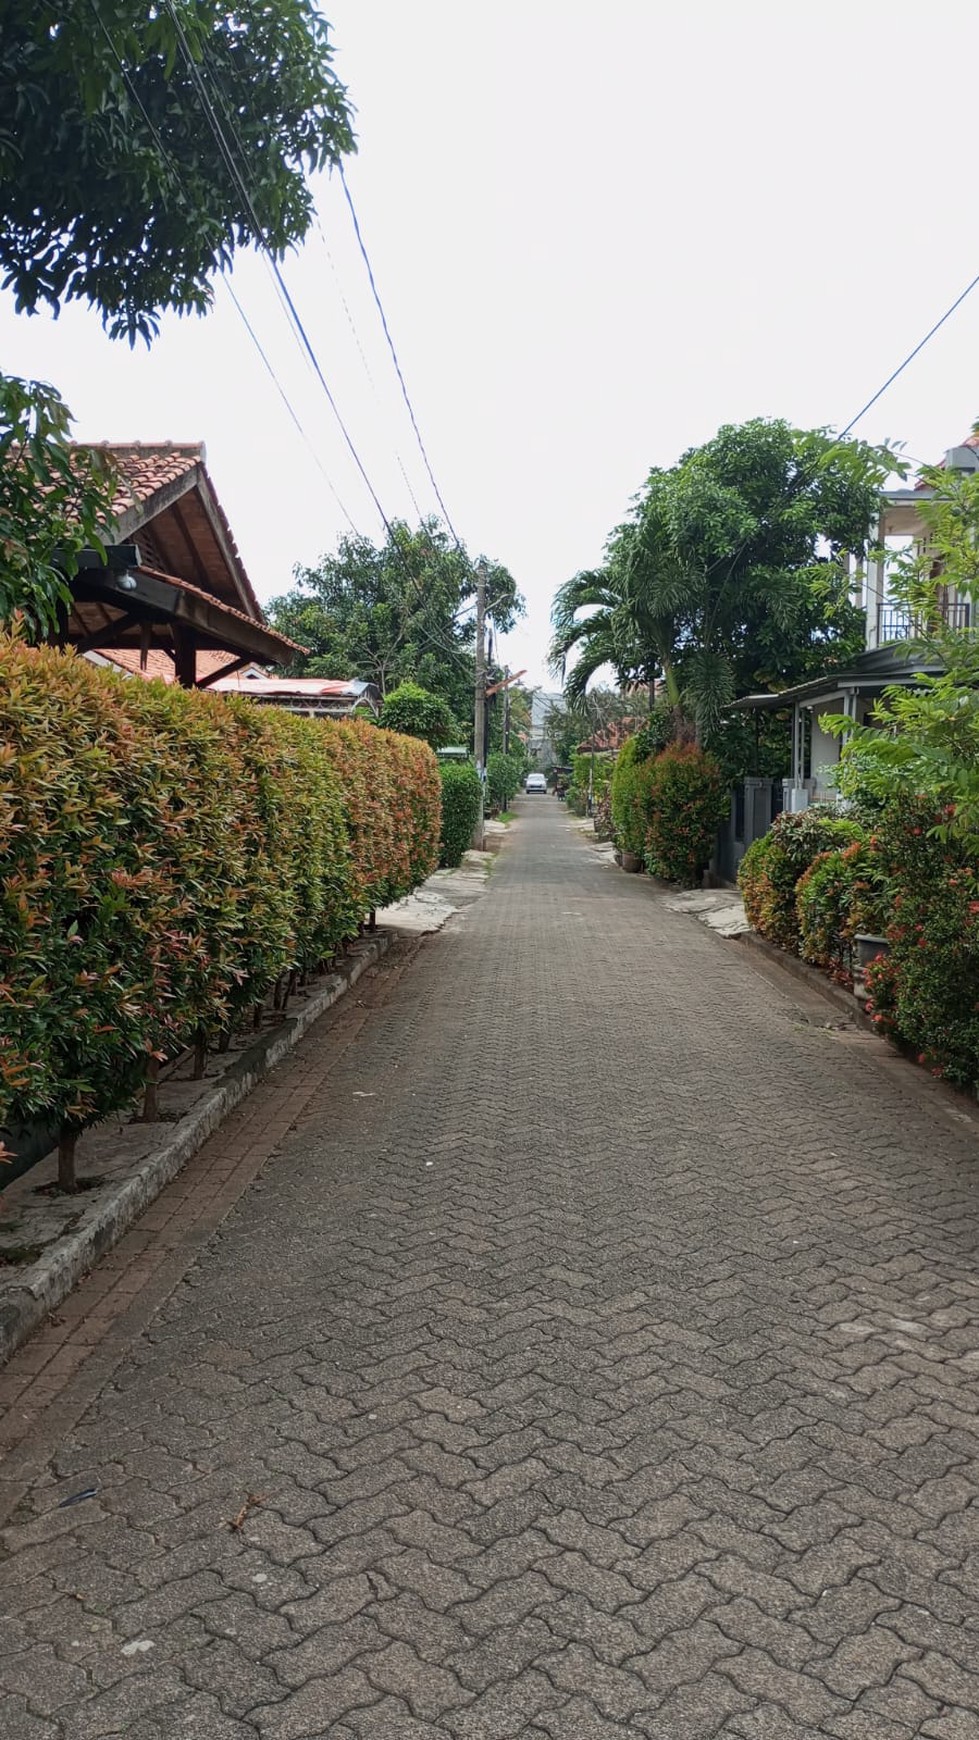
[629, 794]
[925, 992]
[841, 893]
[772, 866]
[603, 817]
[659, 730]
[417, 712]
[461, 799]
[504, 774]
[165, 857]
[689, 800]
[754, 881]
[591, 774]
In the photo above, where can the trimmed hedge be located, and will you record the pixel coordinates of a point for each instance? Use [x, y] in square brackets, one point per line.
[689, 802]
[167, 856]
[771, 868]
[504, 777]
[590, 771]
[666, 808]
[461, 799]
[631, 789]
[908, 880]
[925, 992]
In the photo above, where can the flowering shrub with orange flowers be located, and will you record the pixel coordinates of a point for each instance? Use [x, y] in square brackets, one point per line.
[166, 858]
[925, 992]
[688, 801]
[769, 872]
[841, 893]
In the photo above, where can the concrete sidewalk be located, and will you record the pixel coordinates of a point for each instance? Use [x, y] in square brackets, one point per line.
[580, 1341]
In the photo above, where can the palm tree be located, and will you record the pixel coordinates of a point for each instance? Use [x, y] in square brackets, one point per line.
[589, 618]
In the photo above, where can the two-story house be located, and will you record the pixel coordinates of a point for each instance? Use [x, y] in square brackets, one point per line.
[887, 657]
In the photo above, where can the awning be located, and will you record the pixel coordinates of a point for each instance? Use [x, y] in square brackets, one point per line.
[865, 680]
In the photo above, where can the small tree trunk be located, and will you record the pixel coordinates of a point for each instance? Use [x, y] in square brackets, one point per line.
[257, 1014]
[151, 1093]
[225, 1040]
[372, 921]
[277, 993]
[200, 1055]
[67, 1178]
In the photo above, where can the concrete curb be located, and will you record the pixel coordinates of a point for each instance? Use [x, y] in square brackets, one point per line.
[811, 976]
[107, 1214]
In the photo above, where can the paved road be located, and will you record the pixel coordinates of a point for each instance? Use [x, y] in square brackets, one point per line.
[601, 1347]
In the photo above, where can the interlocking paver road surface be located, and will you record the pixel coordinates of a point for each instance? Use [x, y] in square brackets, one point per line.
[599, 1349]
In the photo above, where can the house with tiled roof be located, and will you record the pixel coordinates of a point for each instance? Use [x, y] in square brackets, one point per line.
[608, 740]
[171, 598]
[316, 697]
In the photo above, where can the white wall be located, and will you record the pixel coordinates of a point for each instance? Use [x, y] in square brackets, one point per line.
[825, 749]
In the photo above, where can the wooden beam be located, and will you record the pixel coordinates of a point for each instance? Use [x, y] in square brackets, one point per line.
[495, 688]
[105, 636]
[201, 576]
[233, 561]
[164, 602]
[184, 655]
[225, 671]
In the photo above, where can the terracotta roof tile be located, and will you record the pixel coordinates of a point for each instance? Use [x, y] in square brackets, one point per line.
[146, 467]
[160, 664]
[219, 604]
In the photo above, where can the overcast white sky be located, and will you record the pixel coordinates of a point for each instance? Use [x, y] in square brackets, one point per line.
[599, 232]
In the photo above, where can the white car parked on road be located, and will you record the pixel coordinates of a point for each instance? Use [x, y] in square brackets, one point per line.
[536, 782]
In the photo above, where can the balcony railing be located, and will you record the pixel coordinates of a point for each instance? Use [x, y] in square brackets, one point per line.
[895, 623]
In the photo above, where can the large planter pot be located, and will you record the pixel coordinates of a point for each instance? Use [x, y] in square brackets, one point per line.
[866, 948]
[869, 948]
[631, 863]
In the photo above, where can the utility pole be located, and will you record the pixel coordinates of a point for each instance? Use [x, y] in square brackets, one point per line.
[506, 711]
[479, 732]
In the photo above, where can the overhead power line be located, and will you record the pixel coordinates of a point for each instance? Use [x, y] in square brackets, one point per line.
[229, 118]
[231, 165]
[167, 159]
[285, 296]
[413, 580]
[911, 356]
[256, 341]
[363, 357]
[394, 355]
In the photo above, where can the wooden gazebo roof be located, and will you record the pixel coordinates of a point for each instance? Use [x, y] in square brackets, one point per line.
[173, 581]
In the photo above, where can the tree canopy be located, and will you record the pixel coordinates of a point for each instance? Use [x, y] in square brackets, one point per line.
[396, 612]
[418, 713]
[732, 572]
[141, 144]
[54, 502]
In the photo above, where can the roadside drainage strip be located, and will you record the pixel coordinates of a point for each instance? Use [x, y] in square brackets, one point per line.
[133, 1162]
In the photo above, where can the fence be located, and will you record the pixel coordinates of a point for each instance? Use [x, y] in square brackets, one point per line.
[754, 805]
